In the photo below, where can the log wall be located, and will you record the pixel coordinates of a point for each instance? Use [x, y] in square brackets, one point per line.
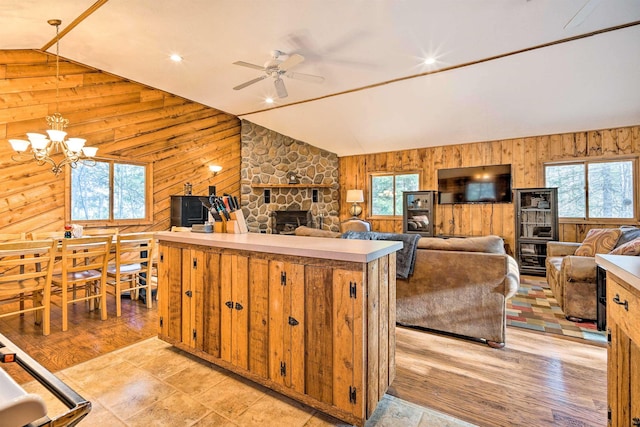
[123, 119]
[526, 155]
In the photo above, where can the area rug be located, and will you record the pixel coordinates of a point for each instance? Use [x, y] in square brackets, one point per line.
[534, 307]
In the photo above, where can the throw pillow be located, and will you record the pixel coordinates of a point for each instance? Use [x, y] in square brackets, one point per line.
[599, 241]
[631, 248]
[629, 233]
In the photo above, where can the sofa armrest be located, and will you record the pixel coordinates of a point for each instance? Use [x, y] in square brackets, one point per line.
[561, 248]
[512, 281]
[579, 269]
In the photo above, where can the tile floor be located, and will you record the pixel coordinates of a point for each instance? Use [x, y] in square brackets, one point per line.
[153, 384]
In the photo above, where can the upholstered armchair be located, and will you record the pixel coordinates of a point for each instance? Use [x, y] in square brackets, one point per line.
[571, 268]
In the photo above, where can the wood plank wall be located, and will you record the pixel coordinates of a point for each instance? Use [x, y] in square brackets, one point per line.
[526, 155]
[123, 119]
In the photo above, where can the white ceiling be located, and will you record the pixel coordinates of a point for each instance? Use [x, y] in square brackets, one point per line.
[377, 95]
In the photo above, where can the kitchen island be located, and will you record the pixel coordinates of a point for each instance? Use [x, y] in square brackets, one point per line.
[311, 318]
[623, 331]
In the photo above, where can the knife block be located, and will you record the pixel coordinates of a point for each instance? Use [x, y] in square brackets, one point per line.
[219, 227]
[238, 216]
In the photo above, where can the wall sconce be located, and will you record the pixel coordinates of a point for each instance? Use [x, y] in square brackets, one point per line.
[355, 197]
[215, 169]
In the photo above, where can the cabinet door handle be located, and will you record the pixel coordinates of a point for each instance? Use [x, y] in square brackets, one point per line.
[636, 422]
[188, 293]
[624, 303]
[229, 304]
[239, 306]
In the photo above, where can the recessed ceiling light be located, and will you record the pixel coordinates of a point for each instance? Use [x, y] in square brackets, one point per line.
[176, 58]
[429, 61]
[269, 100]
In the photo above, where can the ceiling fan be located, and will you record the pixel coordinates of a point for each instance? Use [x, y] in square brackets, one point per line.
[277, 69]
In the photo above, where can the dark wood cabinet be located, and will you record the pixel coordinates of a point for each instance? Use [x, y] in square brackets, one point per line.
[536, 224]
[187, 210]
[418, 212]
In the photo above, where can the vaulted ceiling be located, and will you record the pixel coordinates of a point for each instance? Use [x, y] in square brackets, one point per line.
[503, 69]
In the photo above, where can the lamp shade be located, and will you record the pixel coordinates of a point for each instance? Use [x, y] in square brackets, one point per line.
[354, 196]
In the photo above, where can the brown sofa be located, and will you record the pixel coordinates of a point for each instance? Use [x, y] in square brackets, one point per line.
[459, 286]
[572, 278]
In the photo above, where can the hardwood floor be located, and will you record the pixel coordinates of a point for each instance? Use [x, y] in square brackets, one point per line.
[87, 337]
[536, 380]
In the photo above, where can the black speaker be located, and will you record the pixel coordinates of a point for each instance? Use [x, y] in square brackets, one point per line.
[267, 195]
[314, 195]
[212, 190]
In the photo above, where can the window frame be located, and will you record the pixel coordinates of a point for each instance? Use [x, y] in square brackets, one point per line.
[147, 220]
[596, 220]
[394, 174]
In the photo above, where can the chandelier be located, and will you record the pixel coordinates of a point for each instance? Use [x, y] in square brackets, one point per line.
[44, 147]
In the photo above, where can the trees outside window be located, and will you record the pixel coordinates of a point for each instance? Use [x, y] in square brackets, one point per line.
[110, 191]
[594, 189]
[387, 189]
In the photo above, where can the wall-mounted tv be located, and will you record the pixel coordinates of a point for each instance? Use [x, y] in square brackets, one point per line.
[477, 184]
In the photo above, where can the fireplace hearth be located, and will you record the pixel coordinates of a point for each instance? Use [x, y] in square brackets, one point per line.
[286, 222]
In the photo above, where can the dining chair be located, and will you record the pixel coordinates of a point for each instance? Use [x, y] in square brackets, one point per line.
[11, 237]
[133, 267]
[26, 268]
[100, 231]
[84, 265]
[40, 235]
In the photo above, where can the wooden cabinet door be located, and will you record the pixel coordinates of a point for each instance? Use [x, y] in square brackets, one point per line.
[209, 304]
[635, 383]
[259, 317]
[191, 289]
[170, 291]
[234, 317]
[286, 324]
[348, 352]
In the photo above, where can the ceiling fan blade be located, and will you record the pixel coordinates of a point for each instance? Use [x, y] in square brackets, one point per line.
[305, 77]
[582, 14]
[246, 64]
[250, 82]
[291, 62]
[280, 89]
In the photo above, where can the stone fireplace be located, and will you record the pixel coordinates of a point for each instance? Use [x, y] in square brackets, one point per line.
[269, 159]
[286, 222]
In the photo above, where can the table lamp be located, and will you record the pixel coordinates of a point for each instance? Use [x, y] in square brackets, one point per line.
[355, 197]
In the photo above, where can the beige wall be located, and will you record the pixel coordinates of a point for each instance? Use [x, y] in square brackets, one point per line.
[526, 155]
[123, 119]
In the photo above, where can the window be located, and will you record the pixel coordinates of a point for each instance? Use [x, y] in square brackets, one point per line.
[110, 192]
[594, 189]
[386, 192]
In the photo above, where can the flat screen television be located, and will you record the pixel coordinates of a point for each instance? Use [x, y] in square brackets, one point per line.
[477, 184]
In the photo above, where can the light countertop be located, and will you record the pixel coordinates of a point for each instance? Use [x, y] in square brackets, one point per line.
[625, 267]
[314, 247]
